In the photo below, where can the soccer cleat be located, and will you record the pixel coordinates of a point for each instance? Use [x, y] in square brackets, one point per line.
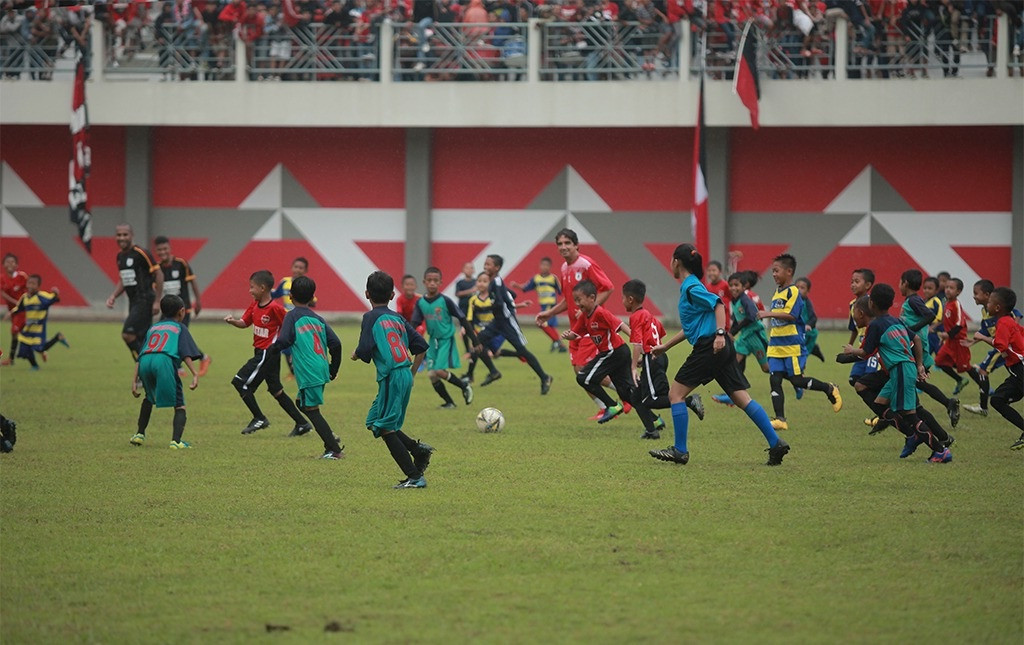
[953, 410]
[562, 349]
[333, 455]
[872, 422]
[63, 341]
[6, 361]
[950, 440]
[671, 454]
[723, 399]
[659, 423]
[835, 398]
[880, 425]
[1018, 444]
[776, 453]
[651, 435]
[254, 425]
[448, 406]
[695, 403]
[421, 456]
[976, 409]
[943, 457]
[467, 392]
[545, 385]
[799, 393]
[412, 483]
[179, 445]
[204, 365]
[467, 377]
[300, 429]
[960, 385]
[610, 413]
[779, 423]
[910, 446]
[137, 439]
[490, 378]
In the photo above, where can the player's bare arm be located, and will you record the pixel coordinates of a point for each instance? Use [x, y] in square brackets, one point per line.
[118, 290]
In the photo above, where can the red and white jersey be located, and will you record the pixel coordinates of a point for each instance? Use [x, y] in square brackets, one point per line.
[582, 269]
[645, 330]
[953, 316]
[1009, 340]
[601, 326]
[13, 284]
[266, 322]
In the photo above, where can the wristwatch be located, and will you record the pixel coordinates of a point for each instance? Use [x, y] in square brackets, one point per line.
[719, 332]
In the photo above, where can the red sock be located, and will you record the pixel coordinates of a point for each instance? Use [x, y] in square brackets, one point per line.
[551, 332]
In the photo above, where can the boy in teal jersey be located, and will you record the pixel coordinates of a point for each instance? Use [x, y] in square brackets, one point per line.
[311, 339]
[168, 344]
[900, 354]
[387, 339]
[810, 319]
[548, 288]
[439, 313]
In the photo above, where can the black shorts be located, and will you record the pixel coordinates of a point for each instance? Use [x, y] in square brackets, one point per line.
[874, 381]
[140, 316]
[264, 366]
[1012, 389]
[509, 328]
[653, 386]
[703, 365]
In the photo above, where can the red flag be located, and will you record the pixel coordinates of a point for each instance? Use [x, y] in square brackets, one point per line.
[81, 158]
[745, 80]
[699, 214]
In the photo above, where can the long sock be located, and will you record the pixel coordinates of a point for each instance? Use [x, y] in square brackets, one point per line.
[179, 424]
[810, 384]
[510, 353]
[31, 358]
[596, 391]
[14, 346]
[646, 416]
[868, 397]
[1005, 408]
[323, 429]
[409, 443]
[763, 423]
[551, 332]
[135, 347]
[923, 432]
[50, 343]
[983, 385]
[680, 423]
[250, 402]
[933, 391]
[401, 455]
[472, 367]
[817, 352]
[288, 406]
[898, 421]
[778, 397]
[532, 361]
[442, 392]
[932, 423]
[488, 363]
[456, 381]
[145, 410]
[952, 373]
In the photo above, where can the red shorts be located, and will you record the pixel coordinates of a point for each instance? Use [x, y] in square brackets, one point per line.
[953, 354]
[582, 351]
[17, 322]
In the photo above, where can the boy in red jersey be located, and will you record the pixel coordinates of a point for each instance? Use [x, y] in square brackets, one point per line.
[953, 358]
[1009, 340]
[719, 286]
[265, 315]
[612, 359]
[12, 286]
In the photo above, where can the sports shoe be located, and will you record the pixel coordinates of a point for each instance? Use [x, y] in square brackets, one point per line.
[300, 429]
[694, 403]
[333, 455]
[723, 399]
[671, 454]
[953, 410]
[943, 457]
[776, 453]
[960, 385]
[467, 377]
[5, 361]
[610, 413]
[651, 435]
[779, 423]
[562, 349]
[910, 446]
[137, 439]
[835, 398]
[448, 406]
[412, 483]
[180, 445]
[880, 426]
[1018, 444]
[659, 423]
[545, 385]
[467, 392]
[204, 365]
[600, 413]
[63, 341]
[254, 425]
[490, 378]
[976, 409]
[421, 456]
[799, 393]
[872, 422]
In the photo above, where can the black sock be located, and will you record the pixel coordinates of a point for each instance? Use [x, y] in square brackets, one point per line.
[14, 346]
[442, 392]
[532, 361]
[323, 430]
[923, 431]
[811, 384]
[817, 352]
[952, 373]
[488, 363]
[410, 444]
[456, 381]
[145, 410]
[899, 421]
[472, 367]
[289, 407]
[179, 424]
[50, 343]
[1003, 406]
[509, 353]
[31, 358]
[401, 455]
[135, 347]
[933, 391]
[778, 398]
[868, 397]
[250, 402]
[646, 417]
[928, 419]
[983, 385]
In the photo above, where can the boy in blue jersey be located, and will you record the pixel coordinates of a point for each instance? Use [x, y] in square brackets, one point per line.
[168, 344]
[311, 339]
[387, 339]
[439, 313]
[548, 288]
[35, 305]
[787, 355]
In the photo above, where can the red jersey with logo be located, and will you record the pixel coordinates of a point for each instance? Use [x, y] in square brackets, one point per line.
[721, 289]
[953, 316]
[582, 269]
[406, 306]
[756, 298]
[601, 326]
[1009, 340]
[645, 330]
[13, 284]
[266, 322]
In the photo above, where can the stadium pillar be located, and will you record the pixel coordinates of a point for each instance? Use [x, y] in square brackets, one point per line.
[418, 199]
[717, 151]
[1017, 217]
[138, 206]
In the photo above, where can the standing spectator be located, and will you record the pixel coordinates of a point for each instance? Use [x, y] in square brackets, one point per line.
[12, 51]
[44, 44]
[914, 27]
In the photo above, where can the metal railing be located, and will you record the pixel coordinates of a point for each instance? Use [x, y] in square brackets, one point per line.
[601, 50]
[27, 58]
[170, 52]
[460, 51]
[314, 52]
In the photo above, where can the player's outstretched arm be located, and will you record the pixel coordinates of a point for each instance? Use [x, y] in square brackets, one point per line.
[195, 376]
[669, 344]
[118, 290]
[554, 311]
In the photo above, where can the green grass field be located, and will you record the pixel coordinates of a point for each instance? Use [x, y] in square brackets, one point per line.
[556, 529]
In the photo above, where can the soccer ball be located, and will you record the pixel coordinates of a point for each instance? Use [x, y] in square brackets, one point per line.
[490, 420]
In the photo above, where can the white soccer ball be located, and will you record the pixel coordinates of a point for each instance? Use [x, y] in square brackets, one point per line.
[490, 420]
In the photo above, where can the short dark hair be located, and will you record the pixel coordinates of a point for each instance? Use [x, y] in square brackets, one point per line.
[380, 287]
[11, 255]
[431, 270]
[303, 288]
[739, 276]
[585, 287]
[569, 233]
[171, 305]
[985, 285]
[546, 259]
[497, 260]
[36, 277]
[867, 274]
[407, 276]
[482, 274]
[883, 296]
[864, 304]
[1007, 296]
[161, 239]
[805, 280]
[786, 260]
[716, 264]
[263, 278]
[932, 280]
[942, 274]
[913, 278]
[636, 289]
[959, 284]
[752, 278]
[303, 260]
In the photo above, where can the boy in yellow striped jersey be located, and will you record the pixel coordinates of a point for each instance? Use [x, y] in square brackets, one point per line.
[548, 288]
[36, 305]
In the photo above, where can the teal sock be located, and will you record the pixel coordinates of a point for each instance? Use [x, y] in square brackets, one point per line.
[681, 422]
